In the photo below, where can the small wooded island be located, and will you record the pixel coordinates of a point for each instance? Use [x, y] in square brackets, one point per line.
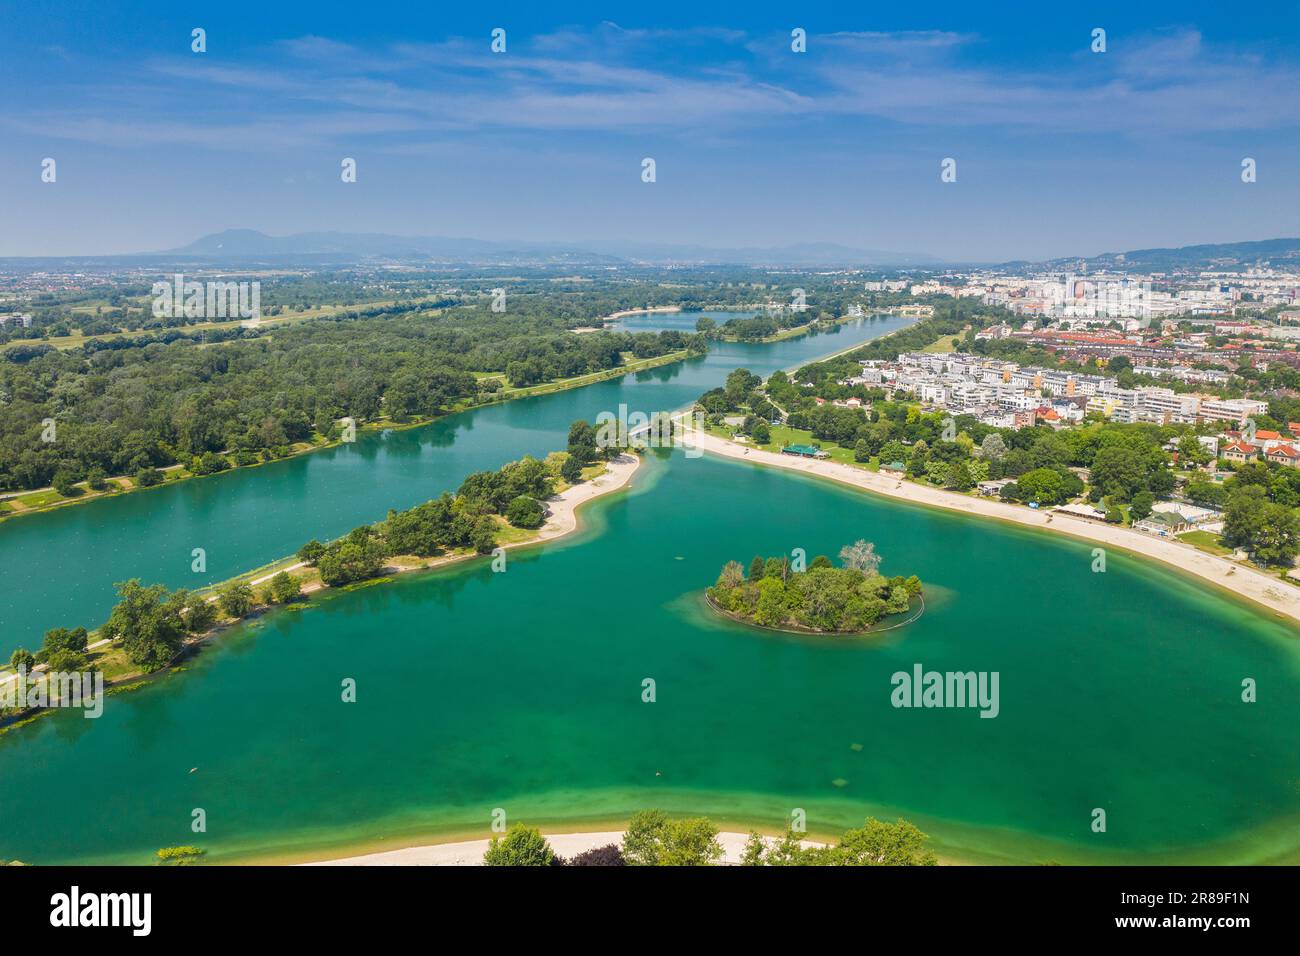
[778, 593]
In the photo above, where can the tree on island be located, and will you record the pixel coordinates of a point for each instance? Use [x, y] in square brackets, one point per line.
[821, 598]
[860, 556]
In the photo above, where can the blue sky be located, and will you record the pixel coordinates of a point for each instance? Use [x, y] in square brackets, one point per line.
[1060, 151]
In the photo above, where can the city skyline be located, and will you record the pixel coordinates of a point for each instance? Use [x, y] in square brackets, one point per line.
[1059, 151]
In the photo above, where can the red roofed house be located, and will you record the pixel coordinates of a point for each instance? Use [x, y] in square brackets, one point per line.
[1284, 455]
[1240, 451]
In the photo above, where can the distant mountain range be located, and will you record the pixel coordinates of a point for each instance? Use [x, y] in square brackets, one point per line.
[1225, 256]
[248, 248]
[249, 243]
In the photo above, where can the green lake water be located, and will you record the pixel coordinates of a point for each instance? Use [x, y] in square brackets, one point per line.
[523, 691]
[60, 566]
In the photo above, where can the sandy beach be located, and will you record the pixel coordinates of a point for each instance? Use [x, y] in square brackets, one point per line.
[1246, 582]
[561, 519]
[470, 852]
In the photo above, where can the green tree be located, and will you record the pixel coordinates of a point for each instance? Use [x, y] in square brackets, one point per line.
[283, 588]
[236, 599]
[148, 622]
[652, 839]
[521, 846]
[64, 639]
[1045, 486]
[483, 537]
[993, 447]
[148, 477]
[525, 512]
[571, 470]
[883, 844]
[860, 556]
[350, 562]
[199, 613]
[67, 661]
[22, 659]
[1140, 507]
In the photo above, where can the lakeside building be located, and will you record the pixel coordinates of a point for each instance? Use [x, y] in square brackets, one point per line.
[805, 451]
[992, 389]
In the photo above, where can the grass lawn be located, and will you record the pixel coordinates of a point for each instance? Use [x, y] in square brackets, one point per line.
[39, 499]
[945, 343]
[1205, 541]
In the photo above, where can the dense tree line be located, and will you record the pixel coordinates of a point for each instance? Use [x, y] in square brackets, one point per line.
[127, 409]
[653, 838]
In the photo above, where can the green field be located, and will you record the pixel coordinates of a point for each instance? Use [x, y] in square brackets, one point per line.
[1205, 541]
[783, 435]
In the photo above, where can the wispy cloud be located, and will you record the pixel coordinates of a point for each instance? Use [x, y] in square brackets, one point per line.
[316, 90]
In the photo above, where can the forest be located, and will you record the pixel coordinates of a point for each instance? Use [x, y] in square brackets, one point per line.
[130, 409]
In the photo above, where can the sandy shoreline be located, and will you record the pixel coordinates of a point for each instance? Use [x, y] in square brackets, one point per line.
[561, 519]
[1245, 582]
[470, 852]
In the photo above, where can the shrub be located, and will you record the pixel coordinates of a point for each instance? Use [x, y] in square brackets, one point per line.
[179, 855]
[525, 512]
[521, 846]
[236, 599]
[608, 855]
